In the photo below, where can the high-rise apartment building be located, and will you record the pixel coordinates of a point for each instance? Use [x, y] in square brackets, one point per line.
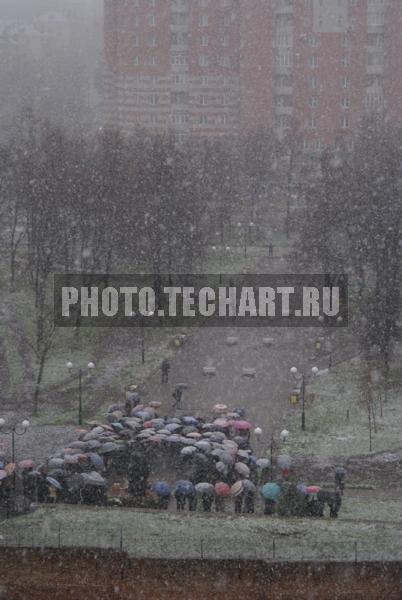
[312, 68]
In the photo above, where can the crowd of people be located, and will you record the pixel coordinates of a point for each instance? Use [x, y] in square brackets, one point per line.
[205, 463]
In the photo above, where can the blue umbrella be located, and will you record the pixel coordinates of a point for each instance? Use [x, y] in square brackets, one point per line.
[185, 488]
[162, 489]
[190, 421]
[271, 491]
[97, 461]
[172, 427]
[302, 488]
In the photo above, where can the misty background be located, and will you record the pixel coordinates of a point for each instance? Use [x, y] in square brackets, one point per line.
[51, 61]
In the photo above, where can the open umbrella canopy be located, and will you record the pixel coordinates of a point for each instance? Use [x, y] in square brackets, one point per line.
[108, 447]
[93, 478]
[188, 451]
[302, 488]
[271, 491]
[97, 461]
[182, 386]
[249, 486]
[54, 483]
[241, 425]
[242, 469]
[174, 439]
[189, 421]
[237, 489]
[222, 489]
[3, 474]
[26, 464]
[155, 404]
[93, 445]
[203, 445]
[162, 489]
[263, 463]
[284, 461]
[71, 459]
[10, 468]
[78, 444]
[195, 435]
[173, 427]
[184, 487]
[221, 468]
[93, 434]
[221, 423]
[220, 408]
[190, 429]
[313, 489]
[205, 488]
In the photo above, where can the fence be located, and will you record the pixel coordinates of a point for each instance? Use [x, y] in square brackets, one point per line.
[279, 549]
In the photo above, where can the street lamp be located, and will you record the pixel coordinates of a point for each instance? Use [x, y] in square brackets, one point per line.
[247, 228]
[81, 371]
[14, 429]
[301, 375]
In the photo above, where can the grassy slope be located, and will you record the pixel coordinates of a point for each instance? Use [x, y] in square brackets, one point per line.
[171, 535]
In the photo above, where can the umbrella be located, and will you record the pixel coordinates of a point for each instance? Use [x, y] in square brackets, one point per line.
[249, 486]
[222, 489]
[205, 488]
[97, 461]
[242, 469]
[77, 445]
[10, 468]
[185, 487]
[26, 464]
[54, 483]
[174, 420]
[117, 426]
[236, 489]
[195, 435]
[93, 478]
[93, 434]
[271, 491]
[313, 489]
[164, 431]
[55, 473]
[220, 408]
[302, 488]
[172, 427]
[93, 444]
[144, 415]
[182, 386]
[188, 451]
[227, 458]
[71, 459]
[155, 404]
[221, 423]
[241, 425]
[263, 463]
[3, 474]
[190, 429]
[203, 445]
[284, 461]
[244, 454]
[221, 467]
[108, 447]
[173, 438]
[161, 488]
[75, 482]
[114, 408]
[189, 421]
[208, 427]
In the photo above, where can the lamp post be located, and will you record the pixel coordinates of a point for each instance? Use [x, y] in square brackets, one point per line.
[247, 228]
[144, 315]
[15, 429]
[81, 371]
[302, 376]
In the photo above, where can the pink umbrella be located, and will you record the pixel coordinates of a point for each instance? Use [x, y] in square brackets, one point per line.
[222, 489]
[221, 423]
[237, 489]
[26, 464]
[313, 489]
[241, 425]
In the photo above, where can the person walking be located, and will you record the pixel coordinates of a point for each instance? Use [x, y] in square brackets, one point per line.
[185, 491]
[165, 368]
[177, 396]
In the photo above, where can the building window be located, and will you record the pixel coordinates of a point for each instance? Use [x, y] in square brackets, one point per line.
[312, 123]
[179, 118]
[179, 79]
[152, 20]
[204, 20]
[305, 144]
[313, 61]
[203, 61]
[345, 41]
[345, 60]
[313, 83]
[312, 41]
[225, 40]
[204, 40]
[152, 40]
[153, 61]
[153, 99]
[136, 41]
[203, 100]
[224, 119]
[203, 119]
[345, 122]
[179, 59]
[136, 60]
[345, 82]
[345, 102]
[313, 101]
[153, 119]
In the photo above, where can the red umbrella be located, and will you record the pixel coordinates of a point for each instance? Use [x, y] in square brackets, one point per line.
[222, 489]
[313, 489]
[241, 425]
[26, 464]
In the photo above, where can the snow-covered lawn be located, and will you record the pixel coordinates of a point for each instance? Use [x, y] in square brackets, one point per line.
[169, 535]
[337, 420]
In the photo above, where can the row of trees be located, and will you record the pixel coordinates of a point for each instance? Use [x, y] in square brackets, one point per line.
[110, 203]
[353, 224]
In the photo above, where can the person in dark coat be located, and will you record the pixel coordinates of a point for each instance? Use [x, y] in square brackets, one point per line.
[177, 396]
[165, 368]
[334, 501]
[269, 507]
[185, 492]
[139, 471]
[340, 474]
